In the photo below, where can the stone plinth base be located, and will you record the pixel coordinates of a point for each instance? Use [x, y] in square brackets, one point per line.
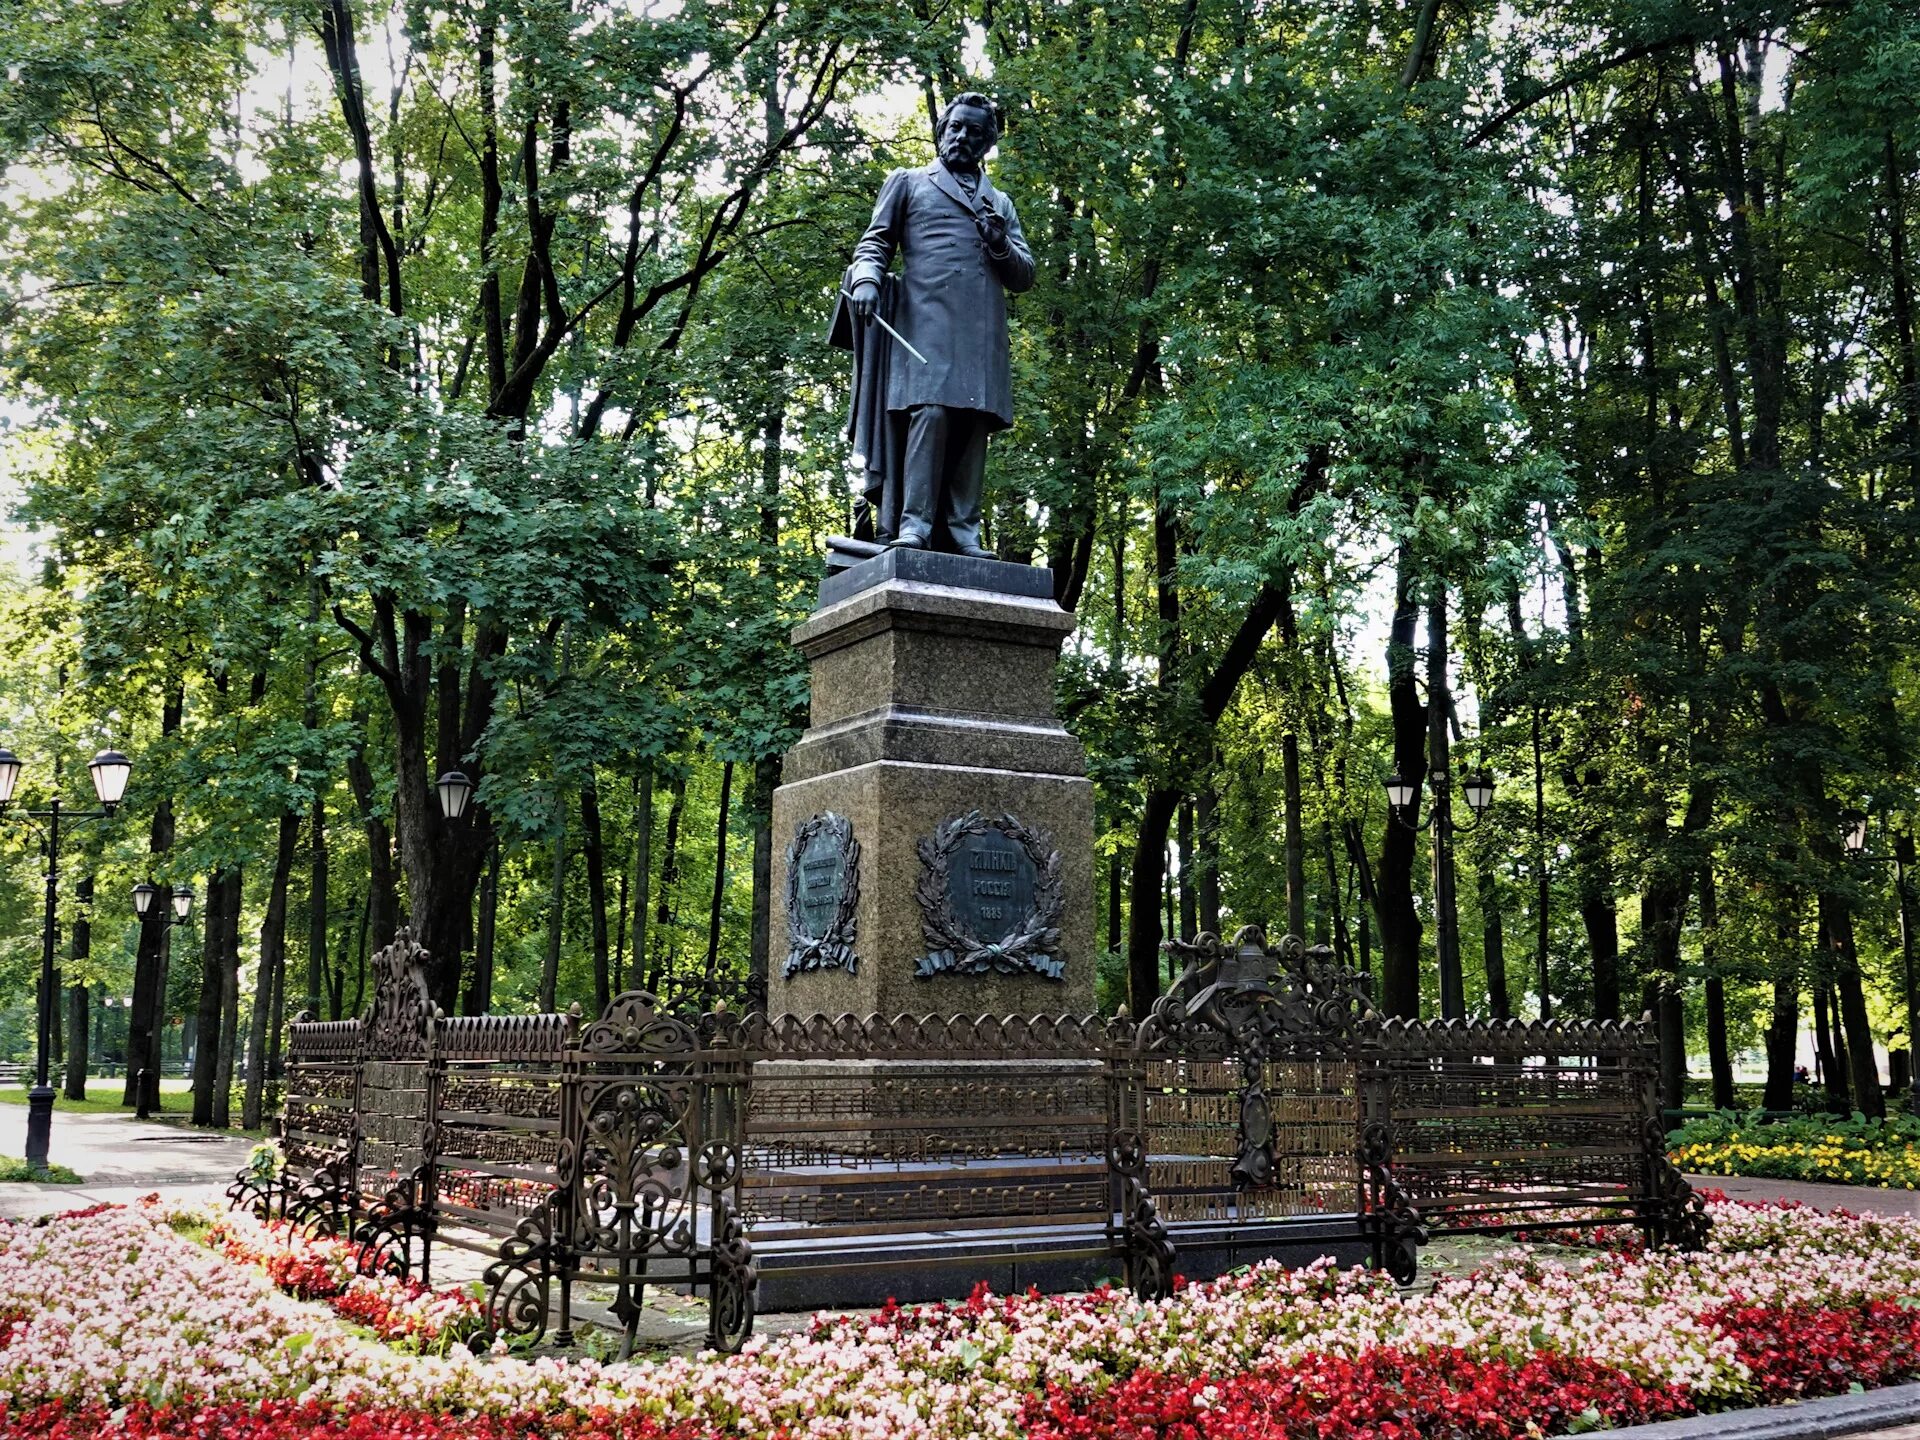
[962, 878]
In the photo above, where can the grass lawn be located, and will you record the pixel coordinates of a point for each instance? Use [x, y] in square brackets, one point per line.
[103, 1096]
[14, 1169]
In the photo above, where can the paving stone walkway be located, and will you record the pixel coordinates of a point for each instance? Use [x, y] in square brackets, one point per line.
[119, 1158]
[1861, 1199]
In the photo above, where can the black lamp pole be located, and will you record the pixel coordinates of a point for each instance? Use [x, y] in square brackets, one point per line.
[110, 770]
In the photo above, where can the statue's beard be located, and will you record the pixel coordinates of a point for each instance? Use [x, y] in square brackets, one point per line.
[956, 155]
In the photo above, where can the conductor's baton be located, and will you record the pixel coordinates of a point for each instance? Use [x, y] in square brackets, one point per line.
[875, 317]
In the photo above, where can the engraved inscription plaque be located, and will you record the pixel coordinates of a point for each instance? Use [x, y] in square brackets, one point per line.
[823, 896]
[393, 1117]
[990, 899]
[991, 886]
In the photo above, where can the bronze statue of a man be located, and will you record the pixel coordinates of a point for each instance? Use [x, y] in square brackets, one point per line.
[931, 374]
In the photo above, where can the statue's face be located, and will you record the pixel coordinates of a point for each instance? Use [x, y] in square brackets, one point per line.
[967, 137]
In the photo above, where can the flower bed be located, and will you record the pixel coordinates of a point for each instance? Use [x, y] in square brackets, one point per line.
[1846, 1152]
[115, 1321]
[405, 1313]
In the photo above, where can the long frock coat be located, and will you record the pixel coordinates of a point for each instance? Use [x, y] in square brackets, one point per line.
[952, 297]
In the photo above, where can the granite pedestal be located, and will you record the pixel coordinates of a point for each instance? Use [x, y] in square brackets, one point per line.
[933, 702]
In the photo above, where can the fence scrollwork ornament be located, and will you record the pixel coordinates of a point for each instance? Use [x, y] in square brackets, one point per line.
[823, 855]
[731, 1297]
[634, 1025]
[263, 1186]
[393, 1239]
[1680, 1216]
[1149, 1248]
[1398, 1229]
[396, 1027]
[1031, 943]
[322, 1205]
[520, 1283]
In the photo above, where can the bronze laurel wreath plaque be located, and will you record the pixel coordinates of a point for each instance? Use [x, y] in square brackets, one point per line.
[823, 894]
[990, 899]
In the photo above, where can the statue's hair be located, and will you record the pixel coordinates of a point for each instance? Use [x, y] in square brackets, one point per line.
[976, 99]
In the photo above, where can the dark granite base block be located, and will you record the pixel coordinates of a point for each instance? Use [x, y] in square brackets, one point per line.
[786, 1284]
[933, 567]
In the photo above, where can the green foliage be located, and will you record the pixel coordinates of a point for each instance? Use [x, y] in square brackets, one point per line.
[1854, 1151]
[15, 1171]
[501, 435]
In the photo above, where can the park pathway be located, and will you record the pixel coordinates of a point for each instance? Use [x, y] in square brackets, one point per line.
[119, 1158]
[1860, 1199]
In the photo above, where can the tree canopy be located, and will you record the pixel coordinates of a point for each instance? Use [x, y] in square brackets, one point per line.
[1406, 388]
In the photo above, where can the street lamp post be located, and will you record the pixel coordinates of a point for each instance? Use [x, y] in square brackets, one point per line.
[180, 898]
[1853, 839]
[110, 770]
[1403, 801]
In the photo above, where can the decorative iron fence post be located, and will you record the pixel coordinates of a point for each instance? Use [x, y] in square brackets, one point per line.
[567, 1200]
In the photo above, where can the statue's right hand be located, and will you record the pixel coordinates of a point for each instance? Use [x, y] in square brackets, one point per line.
[866, 299]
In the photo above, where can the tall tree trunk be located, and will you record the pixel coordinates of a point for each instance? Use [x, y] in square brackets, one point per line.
[486, 935]
[1393, 893]
[1446, 901]
[766, 775]
[766, 769]
[273, 953]
[1206, 815]
[642, 875]
[206, 1022]
[1601, 918]
[596, 894]
[1542, 878]
[1662, 913]
[669, 883]
[1214, 692]
[229, 1001]
[1719, 1053]
[1295, 843]
[1189, 900]
[359, 962]
[206, 1029]
[556, 918]
[317, 900]
[383, 896]
[711, 969]
[146, 1020]
[277, 1024]
[1162, 803]
[1116, 674]
[1783, 1024]
[78, 996]
[1826, 1036]
[1868, 1098]
[1493, 943]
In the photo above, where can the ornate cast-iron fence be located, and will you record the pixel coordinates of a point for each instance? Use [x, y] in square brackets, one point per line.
[1505, 1125]
[1270, 1109]
[1260, 1105]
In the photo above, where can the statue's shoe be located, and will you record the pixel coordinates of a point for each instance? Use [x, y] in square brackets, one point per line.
[975, 552]
[908, 542]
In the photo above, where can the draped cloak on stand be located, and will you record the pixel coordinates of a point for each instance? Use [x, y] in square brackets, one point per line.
[878, 435]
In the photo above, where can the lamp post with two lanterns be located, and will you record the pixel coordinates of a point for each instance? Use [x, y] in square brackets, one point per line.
[147, 1082]
[109, 770]
[1853, 839]
[1403, 804]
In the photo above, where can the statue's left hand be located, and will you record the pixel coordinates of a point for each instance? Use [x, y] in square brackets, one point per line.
[993, 232]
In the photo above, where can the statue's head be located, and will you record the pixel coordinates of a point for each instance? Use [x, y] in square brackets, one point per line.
[968, 128]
